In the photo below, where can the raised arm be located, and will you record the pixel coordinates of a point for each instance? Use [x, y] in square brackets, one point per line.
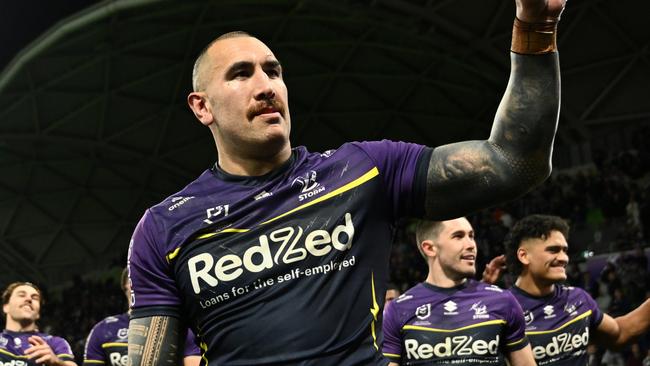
[155, 341]
[470, 175]
[618, 332]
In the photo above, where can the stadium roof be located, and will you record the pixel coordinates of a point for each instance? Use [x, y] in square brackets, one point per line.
[94, 127]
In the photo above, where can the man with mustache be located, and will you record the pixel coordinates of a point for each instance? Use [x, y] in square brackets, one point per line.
[21, 343]
[450, 318]
[277, 255]
[561, 320]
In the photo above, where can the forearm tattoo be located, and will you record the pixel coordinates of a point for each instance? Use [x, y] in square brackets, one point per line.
[155, 341]
[471, 175]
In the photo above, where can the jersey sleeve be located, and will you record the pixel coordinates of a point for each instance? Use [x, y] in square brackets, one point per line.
[61, 348]
[403, 168]
[191, 345]
[392, 346]
[153, 289]
[596, 313]
[93, 353]
[515, 336]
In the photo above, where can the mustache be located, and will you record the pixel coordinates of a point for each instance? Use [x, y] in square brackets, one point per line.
[261, 106]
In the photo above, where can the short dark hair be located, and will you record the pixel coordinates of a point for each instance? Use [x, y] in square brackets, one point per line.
[427, 230]
[531, 227]
[197, 83]
[6, 294]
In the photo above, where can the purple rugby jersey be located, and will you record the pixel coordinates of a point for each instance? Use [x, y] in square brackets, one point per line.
[471, 324]
[558, 325]
[14, 344]
[288, 268]
[107, 342]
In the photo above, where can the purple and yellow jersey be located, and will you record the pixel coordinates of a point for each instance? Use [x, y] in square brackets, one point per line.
[558, 325]
[471, 324]
[14, 344]
[108, 340]
[287, 268]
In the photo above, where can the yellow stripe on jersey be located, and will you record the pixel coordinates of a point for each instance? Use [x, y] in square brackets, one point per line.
[114, 344]
[374, 310]
[355, 183]
[392, 355]
[581, 316]
[170, 257]
[482, 324]
[515, 342]
[93, 361]
[11, 354]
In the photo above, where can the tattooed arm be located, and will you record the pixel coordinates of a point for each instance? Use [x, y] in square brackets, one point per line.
[154, 341]
[467, 176]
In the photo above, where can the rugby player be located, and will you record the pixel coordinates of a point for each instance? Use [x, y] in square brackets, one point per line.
[276, 255]
[450, 318]
[560, 320]
[107, 341]
[21, 343]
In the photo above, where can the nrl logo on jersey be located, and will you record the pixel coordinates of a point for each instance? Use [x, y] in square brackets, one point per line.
[3, 342]
[528, 317]
[480, 311]
[309, 186]
[423, 311]
[123, 333]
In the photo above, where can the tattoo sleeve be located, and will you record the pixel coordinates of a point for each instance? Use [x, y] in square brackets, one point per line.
[155, 341]
[467, 176]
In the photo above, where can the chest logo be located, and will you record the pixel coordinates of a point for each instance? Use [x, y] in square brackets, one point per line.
[450, 308]
[423, 311]
[123, 333]
[571, 308]
[18, 342]
[3, 342]
[480, 310]
[528, 317]
[309, 187]
[549, 312]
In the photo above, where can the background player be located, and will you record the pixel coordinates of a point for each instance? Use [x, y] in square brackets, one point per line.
[270, 227]
[450, 318]
[107, 342]
[21, 341]
[560, 320]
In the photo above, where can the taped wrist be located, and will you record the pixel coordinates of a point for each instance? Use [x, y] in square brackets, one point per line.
[534, 38]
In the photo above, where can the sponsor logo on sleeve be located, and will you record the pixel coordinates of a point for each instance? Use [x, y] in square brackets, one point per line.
[262, 194]
[178, 202]
[309, 186]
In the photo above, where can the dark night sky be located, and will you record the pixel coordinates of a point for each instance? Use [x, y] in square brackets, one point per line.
[23, 21]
